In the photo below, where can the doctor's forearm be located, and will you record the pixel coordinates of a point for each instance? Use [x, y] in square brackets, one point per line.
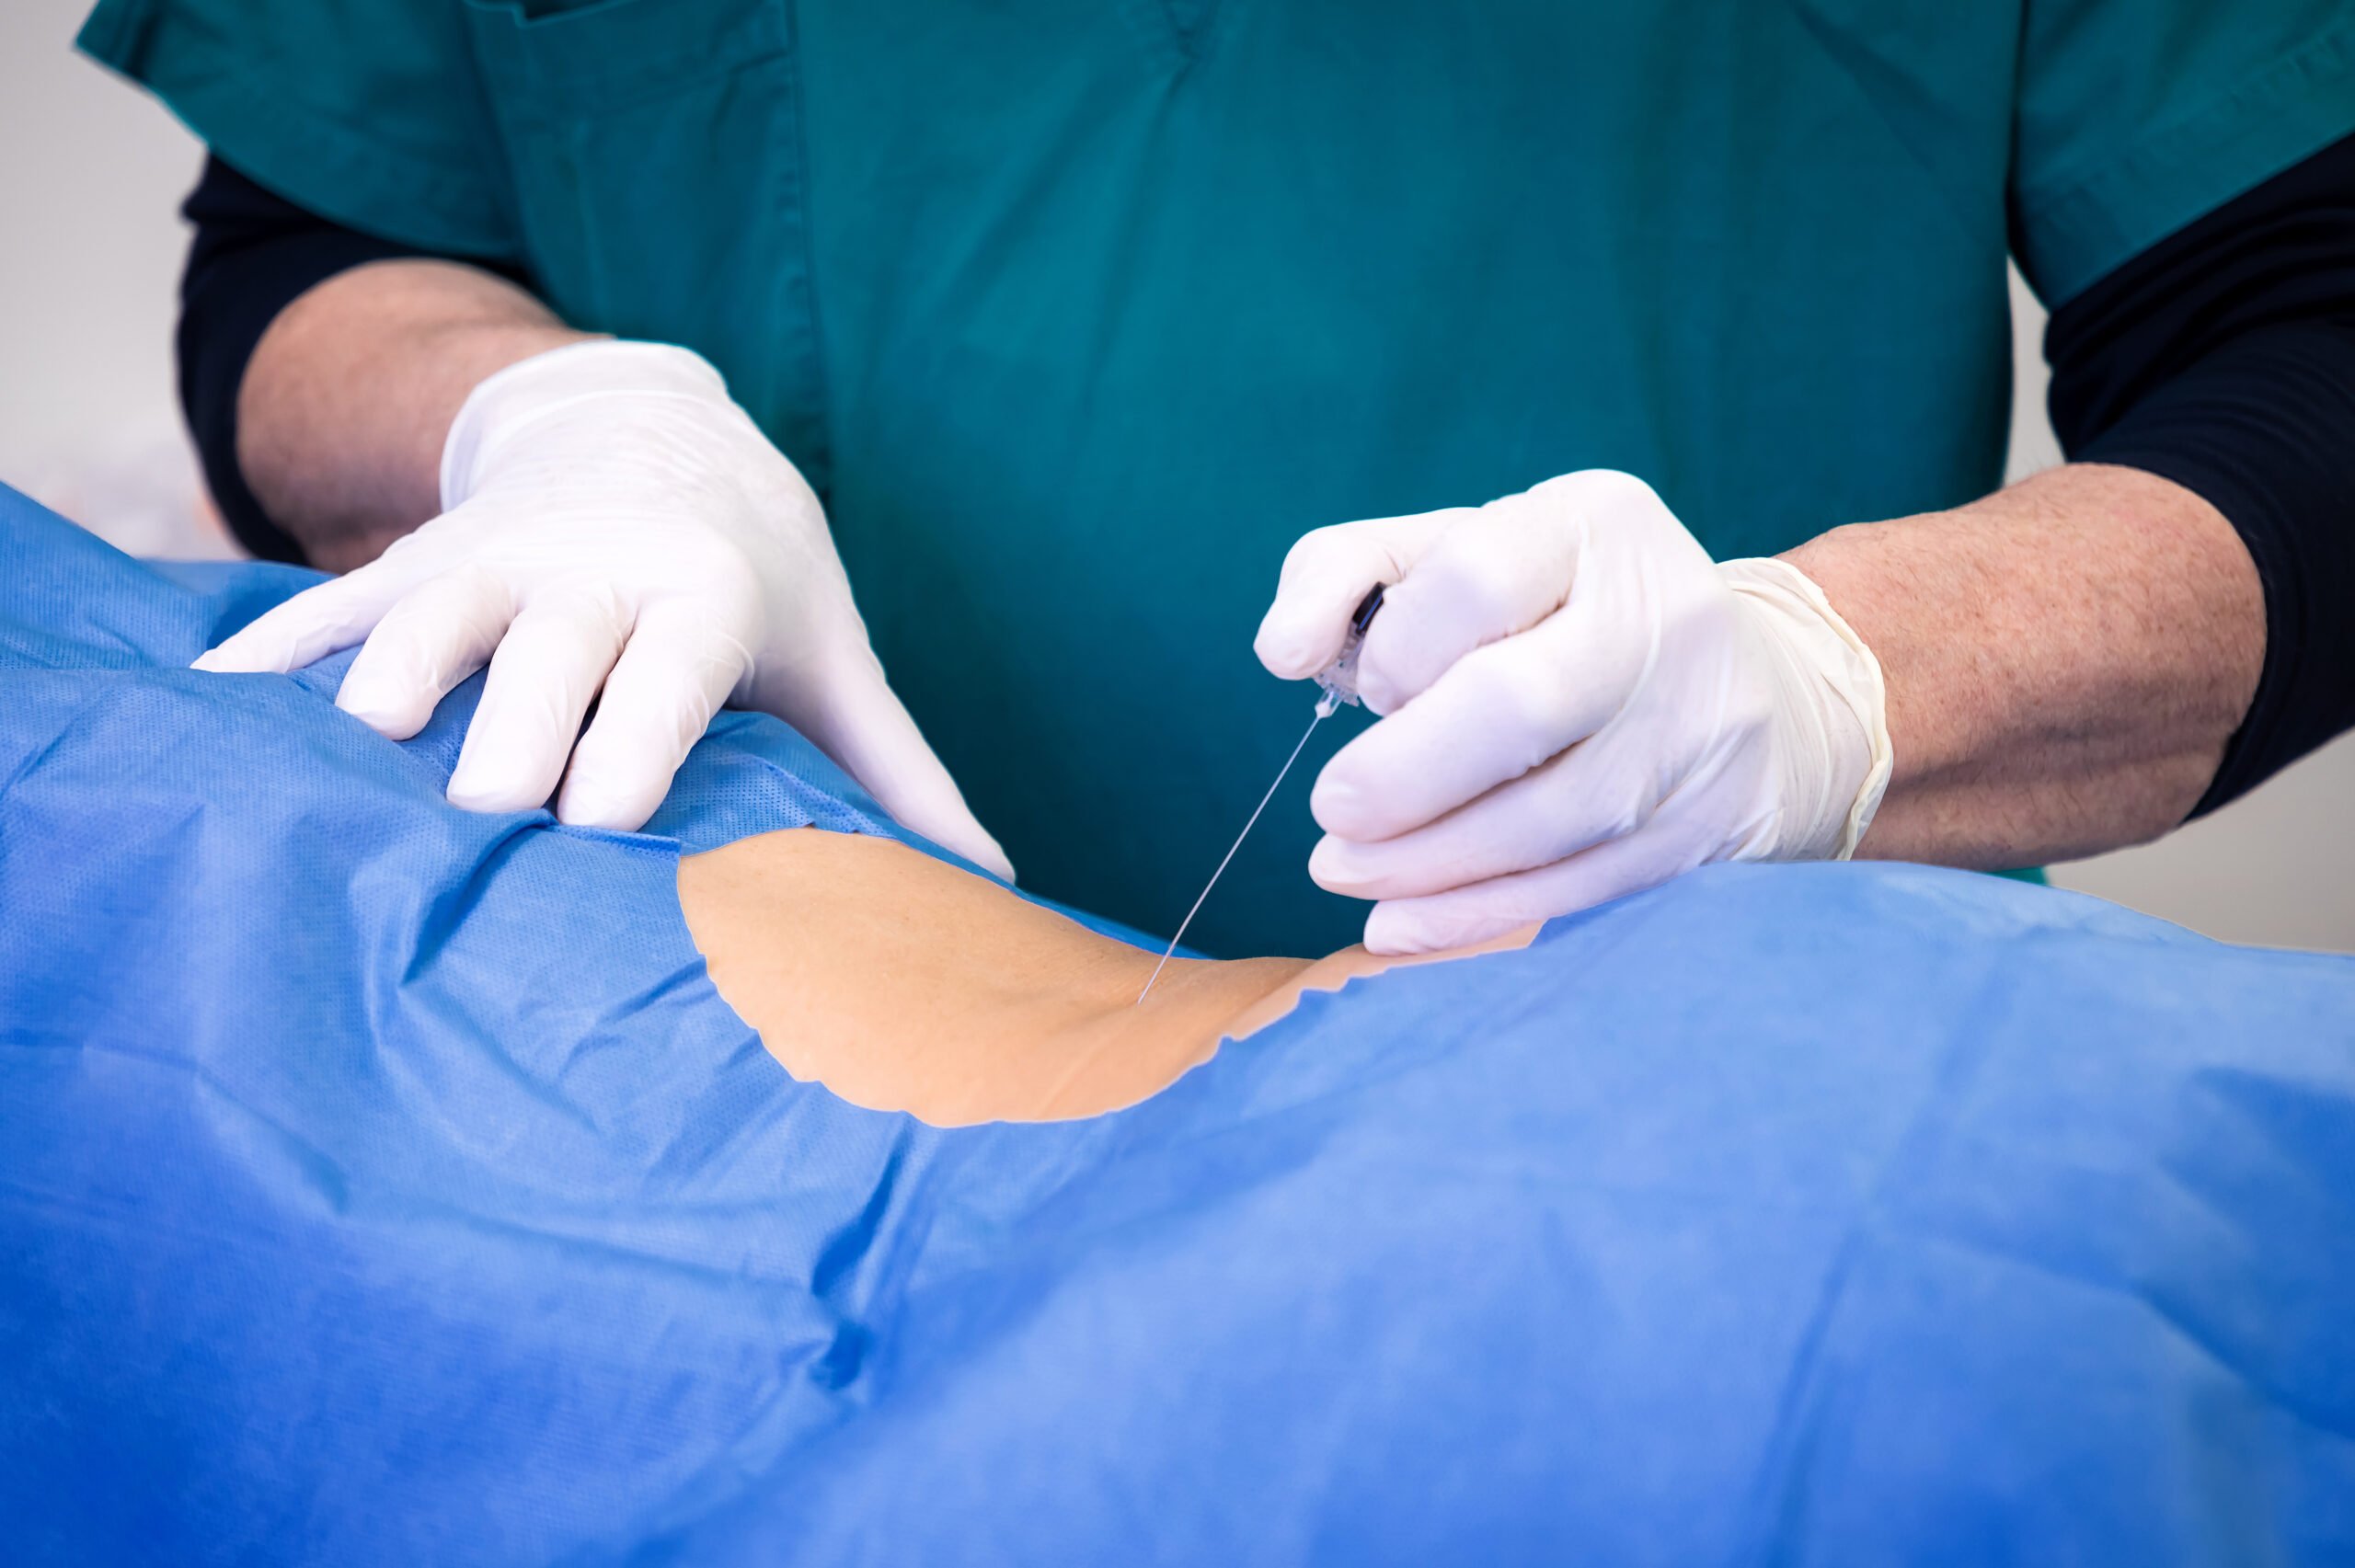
[2065, 662]
[344, 406]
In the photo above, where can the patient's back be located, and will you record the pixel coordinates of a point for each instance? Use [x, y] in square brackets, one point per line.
[384, 1183]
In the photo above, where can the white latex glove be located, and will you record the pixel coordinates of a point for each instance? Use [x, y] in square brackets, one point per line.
[612, 519]
[1581, 704]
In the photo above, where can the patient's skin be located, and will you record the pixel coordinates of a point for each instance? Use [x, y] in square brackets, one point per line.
[903, 983]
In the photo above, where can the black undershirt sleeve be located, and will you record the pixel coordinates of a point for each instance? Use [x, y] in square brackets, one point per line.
[2224, 359]
[253, 253]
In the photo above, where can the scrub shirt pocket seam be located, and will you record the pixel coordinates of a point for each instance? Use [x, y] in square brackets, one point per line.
[555, 82]
[611, 94]
[594, 256]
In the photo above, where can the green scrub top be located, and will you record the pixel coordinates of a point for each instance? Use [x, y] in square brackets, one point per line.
[1079, 311]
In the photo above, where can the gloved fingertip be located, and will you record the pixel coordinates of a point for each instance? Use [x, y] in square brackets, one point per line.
[599, 791]
[1285, 652]
[974, 841]
[232, 658]
[1392, 933]
[1376, 690]
[1341, 807]
[393, 715]
[1335, 864]
[594, 808]
[469, 790]
[1295, 641]
[1404, 927]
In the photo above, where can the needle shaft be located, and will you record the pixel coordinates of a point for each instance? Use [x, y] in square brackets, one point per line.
[1322, 709]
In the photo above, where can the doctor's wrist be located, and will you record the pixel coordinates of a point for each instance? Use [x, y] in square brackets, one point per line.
[2064, 661]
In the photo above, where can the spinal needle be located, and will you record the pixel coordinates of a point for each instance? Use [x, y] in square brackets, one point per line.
[1325, 706]
[1339, 681]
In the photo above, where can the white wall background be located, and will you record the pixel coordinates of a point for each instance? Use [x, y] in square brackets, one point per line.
[91, 177]
[91, 182]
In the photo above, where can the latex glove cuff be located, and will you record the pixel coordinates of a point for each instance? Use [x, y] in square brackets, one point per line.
[1846, 673]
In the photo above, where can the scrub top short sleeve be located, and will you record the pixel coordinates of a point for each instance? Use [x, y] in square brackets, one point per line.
[369, 112]
[2133, 119]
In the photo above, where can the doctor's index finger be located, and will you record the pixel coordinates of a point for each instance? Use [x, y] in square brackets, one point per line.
[1497, 570]
[1327, 574]
[318, 621]
[338, 613]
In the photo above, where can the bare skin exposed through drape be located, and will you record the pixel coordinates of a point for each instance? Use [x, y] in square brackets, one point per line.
[902, 983]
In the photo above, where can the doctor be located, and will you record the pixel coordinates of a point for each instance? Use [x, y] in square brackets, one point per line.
[610, 344]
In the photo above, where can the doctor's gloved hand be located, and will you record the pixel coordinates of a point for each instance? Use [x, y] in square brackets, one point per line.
[613, 520]
[1578, 703]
